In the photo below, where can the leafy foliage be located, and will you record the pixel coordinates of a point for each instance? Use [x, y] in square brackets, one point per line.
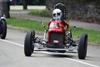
[85, 10]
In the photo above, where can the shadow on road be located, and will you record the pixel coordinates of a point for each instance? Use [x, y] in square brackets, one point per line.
[42, 55]
[62, 56]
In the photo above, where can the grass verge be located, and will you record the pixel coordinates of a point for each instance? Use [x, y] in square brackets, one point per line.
[94, 36]
[26, 24]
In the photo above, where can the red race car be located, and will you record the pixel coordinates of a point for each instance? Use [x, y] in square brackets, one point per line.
[56, 39]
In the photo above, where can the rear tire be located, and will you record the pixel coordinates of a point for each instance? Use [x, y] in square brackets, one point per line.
[4, 29]
[29, 44]
[82, 47]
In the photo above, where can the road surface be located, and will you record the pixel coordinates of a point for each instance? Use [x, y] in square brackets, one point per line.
[12, 55]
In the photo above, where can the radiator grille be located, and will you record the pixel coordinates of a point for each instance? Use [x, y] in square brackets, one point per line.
[56, 36]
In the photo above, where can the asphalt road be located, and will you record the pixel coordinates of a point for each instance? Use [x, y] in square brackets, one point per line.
[12, 55]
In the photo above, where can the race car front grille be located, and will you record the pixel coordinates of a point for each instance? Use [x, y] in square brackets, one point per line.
[58, 37]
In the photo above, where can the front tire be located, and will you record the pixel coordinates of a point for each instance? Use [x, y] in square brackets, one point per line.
[29, 44]
[4, 29]
[82, 47]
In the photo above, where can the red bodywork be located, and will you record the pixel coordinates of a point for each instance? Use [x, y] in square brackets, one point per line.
[57, 29]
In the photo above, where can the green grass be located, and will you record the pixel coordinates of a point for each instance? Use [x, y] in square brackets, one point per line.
[94, 36]
[43, 13]
[26, 24]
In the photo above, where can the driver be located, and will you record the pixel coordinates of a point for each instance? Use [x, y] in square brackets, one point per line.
[57, 15]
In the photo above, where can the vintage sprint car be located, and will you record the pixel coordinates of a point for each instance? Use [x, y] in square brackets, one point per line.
[56, 39]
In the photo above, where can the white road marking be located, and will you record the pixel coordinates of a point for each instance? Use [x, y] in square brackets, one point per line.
[82, 62]
[11, 42]
[76, 60]
[79, 61]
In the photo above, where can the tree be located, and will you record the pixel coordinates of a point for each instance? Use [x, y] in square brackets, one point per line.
[25, 3]
[5, 7]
